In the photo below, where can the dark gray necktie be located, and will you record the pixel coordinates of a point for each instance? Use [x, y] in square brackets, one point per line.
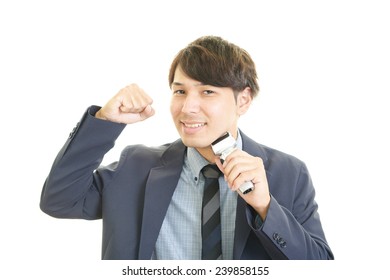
[211, 216]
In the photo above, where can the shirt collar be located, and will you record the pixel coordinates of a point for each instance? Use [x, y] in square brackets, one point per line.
[196, 161]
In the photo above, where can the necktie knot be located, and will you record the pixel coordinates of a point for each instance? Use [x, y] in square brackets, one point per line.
[211, 171]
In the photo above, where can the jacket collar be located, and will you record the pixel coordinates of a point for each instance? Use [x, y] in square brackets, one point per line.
[253, 148]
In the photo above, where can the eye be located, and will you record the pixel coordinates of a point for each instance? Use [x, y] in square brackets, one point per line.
[208, 92]
[178, 92]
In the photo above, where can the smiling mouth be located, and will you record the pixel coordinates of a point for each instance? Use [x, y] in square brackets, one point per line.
[193, 125]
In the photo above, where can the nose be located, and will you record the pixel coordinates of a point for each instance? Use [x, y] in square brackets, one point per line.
[191, 104]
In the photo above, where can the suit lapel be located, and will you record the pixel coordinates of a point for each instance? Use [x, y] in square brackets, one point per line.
[242, 229]
[160, 187]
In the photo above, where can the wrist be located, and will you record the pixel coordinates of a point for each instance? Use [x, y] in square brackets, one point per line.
[262, 208]
[99, 115]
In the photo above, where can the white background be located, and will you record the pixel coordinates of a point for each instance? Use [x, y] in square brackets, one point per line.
[324, 76]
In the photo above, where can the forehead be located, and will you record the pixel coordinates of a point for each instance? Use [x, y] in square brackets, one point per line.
[181, 79]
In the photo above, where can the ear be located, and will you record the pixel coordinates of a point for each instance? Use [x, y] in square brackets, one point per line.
[244, 101]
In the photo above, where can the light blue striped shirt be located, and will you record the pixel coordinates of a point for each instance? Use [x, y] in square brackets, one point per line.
[180, 235]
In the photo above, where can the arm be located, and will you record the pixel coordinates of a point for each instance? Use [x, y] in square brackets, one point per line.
[73, 188]
[295, 231]
[287, 222]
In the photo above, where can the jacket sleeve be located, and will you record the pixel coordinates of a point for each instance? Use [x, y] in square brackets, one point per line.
[293, 230]
[73, 187]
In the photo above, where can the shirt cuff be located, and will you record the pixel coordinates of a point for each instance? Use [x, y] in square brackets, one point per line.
[257, 222]
[93, 110]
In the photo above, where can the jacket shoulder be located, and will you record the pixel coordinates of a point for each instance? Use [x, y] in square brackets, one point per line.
[277, 155]
[268, 154]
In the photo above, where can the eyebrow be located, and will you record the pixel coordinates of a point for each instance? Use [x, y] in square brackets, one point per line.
[181, 84]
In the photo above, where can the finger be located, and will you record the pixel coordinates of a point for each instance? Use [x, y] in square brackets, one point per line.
[235, 157]
[239, 175]
[133, 99]
[133, 104]
[147, 112]
[238, 164]
[242, 178]
[125, 109]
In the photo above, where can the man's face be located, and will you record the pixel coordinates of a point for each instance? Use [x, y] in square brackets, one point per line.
[202, 113]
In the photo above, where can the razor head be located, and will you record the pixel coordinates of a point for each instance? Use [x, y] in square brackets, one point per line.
[223, 143]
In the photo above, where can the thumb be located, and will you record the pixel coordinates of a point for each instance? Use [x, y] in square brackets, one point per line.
[147, 112]
[129, 118]
[218, 162]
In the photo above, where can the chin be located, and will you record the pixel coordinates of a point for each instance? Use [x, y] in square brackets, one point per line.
[196, 143]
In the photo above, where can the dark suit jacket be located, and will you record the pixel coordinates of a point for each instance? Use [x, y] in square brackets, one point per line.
[133, 194]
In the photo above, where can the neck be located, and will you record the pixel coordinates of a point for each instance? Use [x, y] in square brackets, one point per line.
[207, 153]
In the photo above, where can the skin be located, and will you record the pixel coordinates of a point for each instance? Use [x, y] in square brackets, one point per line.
[201, 113]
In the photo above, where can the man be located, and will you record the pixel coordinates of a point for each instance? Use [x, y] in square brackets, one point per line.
[151, 199]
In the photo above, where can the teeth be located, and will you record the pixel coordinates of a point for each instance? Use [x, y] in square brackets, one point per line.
[194, 125]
